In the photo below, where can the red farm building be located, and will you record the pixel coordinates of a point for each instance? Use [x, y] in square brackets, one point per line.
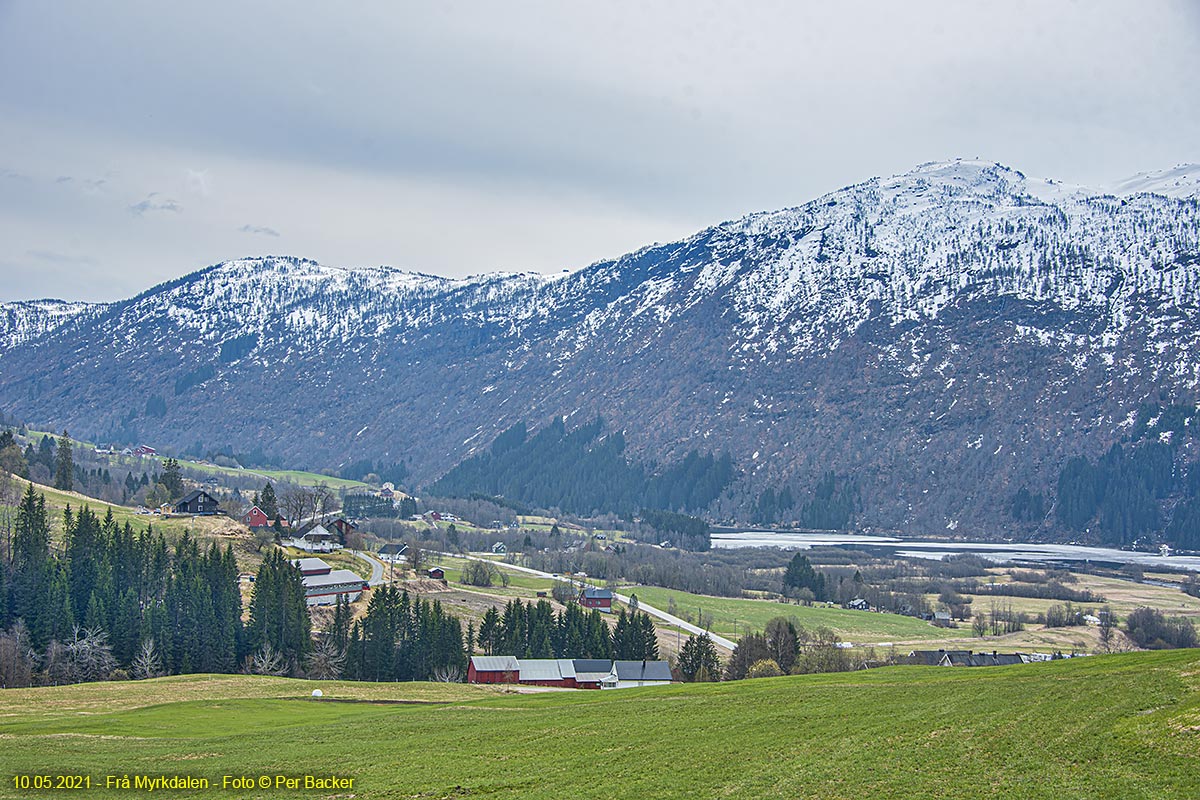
[493, 669]
[591, 597]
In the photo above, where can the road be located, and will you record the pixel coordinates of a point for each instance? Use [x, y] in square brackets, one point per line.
[670, 619]
[377, 567]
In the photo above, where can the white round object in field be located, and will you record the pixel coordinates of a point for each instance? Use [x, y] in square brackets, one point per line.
[318, 693]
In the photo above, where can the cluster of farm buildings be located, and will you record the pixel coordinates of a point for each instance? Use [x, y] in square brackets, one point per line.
[567, 673]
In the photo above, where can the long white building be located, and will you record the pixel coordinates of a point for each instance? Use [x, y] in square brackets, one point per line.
[323, 584]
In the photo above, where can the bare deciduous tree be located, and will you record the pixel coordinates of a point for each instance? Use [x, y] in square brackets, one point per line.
[324, 500]
[294, 504]
[146, 664]
[416, 558]
[325, 661]
[17, 659]
[267, 661]
[448, 674]
[86, 657]
[1108, 624]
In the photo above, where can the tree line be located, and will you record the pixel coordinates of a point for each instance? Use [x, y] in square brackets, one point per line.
[533, 630]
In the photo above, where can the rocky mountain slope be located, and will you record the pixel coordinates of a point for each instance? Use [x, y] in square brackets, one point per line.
[943, 336]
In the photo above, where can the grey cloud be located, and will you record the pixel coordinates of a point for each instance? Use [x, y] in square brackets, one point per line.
[262, 230]
[155, 202]
[53, 257]
[88, 185]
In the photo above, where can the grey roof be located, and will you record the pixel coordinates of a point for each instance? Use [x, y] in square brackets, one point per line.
[933, 657]
[592, 677]
[310, 564]
[318, 532]
[969, 659]
[593, 665]
[337, 576]
[193, 494]
[642, 670]
[495, 663]
[592, 593]
[393, 549]
[546, 669]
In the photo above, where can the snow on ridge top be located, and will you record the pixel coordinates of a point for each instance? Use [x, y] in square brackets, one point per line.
[24, 320]
[1181, 181]
[382, 274]
[962, 167]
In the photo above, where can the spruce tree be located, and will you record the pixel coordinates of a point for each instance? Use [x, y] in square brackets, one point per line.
[64, 473]
[32, 568]
[279, 610]
[698, 659]
[172, 478]
[267, 502]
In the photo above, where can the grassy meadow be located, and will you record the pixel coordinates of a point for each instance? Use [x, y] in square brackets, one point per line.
[203, 527]
[1123, 726]
[733, 617]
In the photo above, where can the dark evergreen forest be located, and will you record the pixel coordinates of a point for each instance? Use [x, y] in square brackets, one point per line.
[580, 471]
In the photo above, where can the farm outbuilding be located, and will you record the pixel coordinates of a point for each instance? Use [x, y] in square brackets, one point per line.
[323, 584]
[493, 669]
[581, 673]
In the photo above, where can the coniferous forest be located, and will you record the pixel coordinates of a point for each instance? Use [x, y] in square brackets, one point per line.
[1140, 487]
[115, 603]
[111, 598]
[580, 471]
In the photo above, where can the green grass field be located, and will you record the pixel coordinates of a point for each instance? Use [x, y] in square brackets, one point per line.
[732, 617]
[517, 581]
[1125, 726]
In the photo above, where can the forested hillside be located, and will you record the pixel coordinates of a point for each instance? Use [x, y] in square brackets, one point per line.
[585, 471]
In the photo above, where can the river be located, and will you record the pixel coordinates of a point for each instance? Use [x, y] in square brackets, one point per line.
[918, 548]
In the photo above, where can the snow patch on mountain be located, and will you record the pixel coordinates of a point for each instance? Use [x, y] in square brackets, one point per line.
[24, 321]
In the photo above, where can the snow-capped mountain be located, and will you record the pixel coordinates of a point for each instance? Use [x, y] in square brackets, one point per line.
[945, 336]
[24, 321]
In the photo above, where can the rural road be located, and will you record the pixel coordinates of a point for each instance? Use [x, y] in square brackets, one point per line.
[376, 567]
[671, 619]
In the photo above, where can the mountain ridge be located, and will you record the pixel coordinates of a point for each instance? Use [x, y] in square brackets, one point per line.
[923, 318]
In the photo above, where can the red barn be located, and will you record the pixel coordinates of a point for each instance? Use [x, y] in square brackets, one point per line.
[591, 597]
[144, 450]
[493, 669]
[255, 518]
[437, 573]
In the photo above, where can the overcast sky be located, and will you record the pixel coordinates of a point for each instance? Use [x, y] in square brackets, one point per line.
[141, 140]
